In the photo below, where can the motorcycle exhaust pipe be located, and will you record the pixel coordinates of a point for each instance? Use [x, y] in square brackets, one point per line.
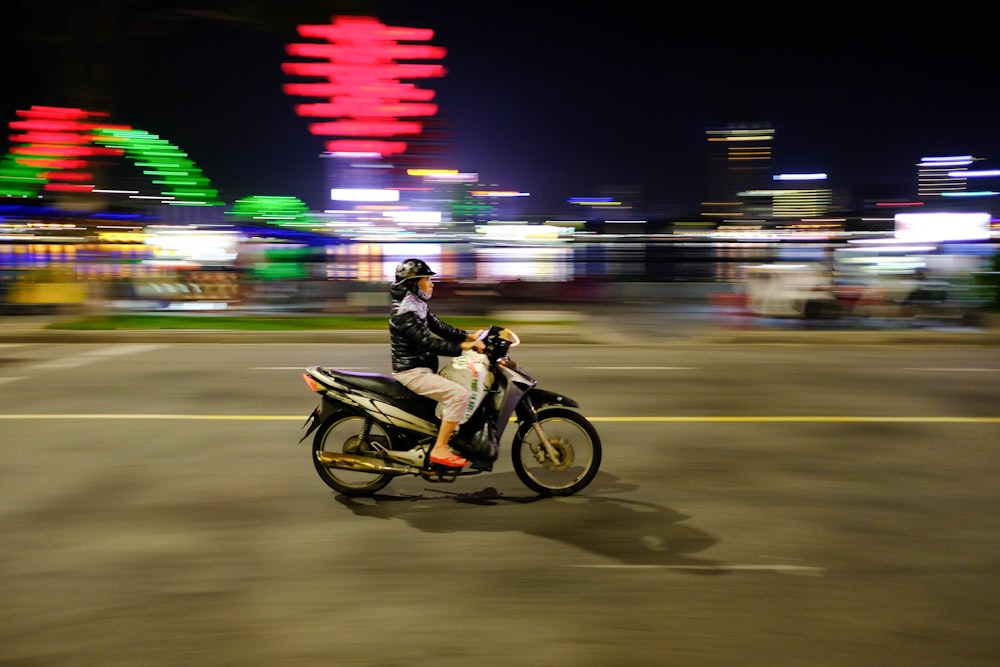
[363, 464]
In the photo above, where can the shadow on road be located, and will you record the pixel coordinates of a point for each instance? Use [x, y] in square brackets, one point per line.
[626, 532]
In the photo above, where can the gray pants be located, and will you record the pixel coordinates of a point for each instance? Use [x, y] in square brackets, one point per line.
[453, 397]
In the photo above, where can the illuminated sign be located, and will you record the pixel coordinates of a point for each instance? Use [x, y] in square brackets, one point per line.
[364, 99]
[212, 247]
[939, 227]
[363, 194]
[800, 177]
[55, 148]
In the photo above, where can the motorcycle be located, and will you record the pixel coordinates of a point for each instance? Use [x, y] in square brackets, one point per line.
[370, 429]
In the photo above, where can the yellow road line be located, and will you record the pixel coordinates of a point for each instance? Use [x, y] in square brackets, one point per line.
[161, 416]
[631, 420]
[805, 419]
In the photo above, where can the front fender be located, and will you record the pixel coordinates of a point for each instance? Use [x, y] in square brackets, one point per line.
[543, 397]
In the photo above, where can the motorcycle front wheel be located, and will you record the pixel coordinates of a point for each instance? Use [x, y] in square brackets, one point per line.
[341, 433]
[578, 447]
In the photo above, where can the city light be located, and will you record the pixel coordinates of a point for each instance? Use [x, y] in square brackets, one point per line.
[364, 94]
[941, 227]
[945, 161]
[974, 173]
[800, 177]
[183, 182]
[53, 151]
[363, 194]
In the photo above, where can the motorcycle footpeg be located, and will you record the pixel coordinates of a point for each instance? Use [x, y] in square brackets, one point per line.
[447, 475]
[437, 472]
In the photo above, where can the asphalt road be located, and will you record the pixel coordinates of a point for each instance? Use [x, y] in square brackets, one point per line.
[757, 505]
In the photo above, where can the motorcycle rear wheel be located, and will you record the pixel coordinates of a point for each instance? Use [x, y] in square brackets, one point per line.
[341, 433]
[577, 443]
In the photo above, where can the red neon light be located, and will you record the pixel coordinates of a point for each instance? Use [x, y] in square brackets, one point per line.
[383, 90]
[55, 164]
[68, 187]
[58, 112]
[899, 203]
[364, 128]
[363, 94]
[63, 150]
[365, 108]
[365, 146]
[77, 176]
[58, 141]
[50, 125]
[349, 28]
[50, 138]
[42, 163]
[364, 53]
[366, 72]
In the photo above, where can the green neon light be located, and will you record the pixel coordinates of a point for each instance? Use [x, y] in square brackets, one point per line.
[145, 149]
[277, 210]
[18, 179]
[182, 180]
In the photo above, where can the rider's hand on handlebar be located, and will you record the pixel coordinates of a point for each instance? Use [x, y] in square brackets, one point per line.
[477, 345]
[473, 341]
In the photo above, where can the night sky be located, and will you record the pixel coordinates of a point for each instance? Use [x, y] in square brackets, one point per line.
[561, 102]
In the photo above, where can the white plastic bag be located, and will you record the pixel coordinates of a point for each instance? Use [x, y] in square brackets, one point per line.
[470, 369]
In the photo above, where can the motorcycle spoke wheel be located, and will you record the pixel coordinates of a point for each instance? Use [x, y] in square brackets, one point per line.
[577, 446]
[342, 434]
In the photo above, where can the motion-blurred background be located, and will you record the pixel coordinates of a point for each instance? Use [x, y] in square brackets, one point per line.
[241, 156]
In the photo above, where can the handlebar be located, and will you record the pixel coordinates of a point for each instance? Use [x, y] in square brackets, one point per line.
[498, 341]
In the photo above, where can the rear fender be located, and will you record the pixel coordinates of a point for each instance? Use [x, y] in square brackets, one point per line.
[319, 414]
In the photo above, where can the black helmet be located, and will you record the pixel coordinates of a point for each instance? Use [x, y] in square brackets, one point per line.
[412, 268]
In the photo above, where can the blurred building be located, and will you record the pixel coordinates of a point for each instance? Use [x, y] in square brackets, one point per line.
[950, 183]
[942, 175]
[799, 196]
[738, 172]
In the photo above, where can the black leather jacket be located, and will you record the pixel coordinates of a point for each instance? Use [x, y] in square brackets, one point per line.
[412, 329]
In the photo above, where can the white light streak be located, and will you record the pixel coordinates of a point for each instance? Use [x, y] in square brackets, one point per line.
[801, 177]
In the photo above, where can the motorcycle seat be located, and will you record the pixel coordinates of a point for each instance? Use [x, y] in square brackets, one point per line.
[381, 383]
